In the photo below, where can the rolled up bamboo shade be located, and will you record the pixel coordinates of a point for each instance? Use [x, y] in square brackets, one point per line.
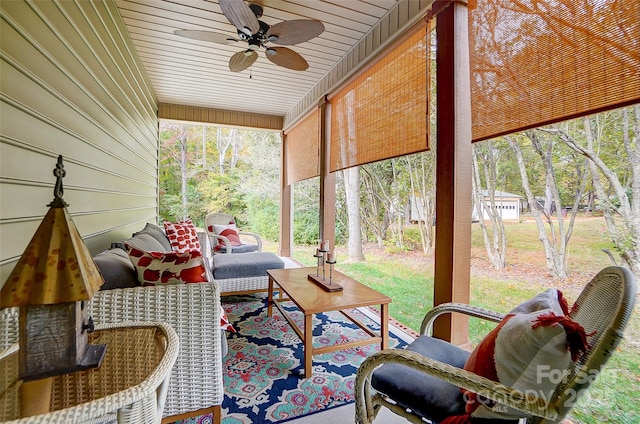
[302, 149]
[382, 113]
[538, 62]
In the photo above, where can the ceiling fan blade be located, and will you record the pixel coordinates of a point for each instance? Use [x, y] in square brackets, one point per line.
[293, 32]
[214, 37]
[240, 15]
[242, 60]
[283, 56]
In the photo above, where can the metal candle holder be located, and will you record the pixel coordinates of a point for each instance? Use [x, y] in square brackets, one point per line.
[324, 258]
[320, 255]
[331, 262]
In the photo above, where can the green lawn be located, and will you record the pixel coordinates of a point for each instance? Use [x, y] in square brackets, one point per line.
[408, 279]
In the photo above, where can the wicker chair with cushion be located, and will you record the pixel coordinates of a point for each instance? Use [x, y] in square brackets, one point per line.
[442, 383]
[225, 237]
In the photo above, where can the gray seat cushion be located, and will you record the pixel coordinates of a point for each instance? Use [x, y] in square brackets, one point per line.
[253, 264]
[428, 396]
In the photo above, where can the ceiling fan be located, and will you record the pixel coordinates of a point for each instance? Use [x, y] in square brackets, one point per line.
[257, 34]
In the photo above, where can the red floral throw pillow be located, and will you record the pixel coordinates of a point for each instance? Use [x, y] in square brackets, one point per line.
[182, 235]
[527, 351]
[162, 268]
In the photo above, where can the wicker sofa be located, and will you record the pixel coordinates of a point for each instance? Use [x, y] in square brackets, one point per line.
[193, 310]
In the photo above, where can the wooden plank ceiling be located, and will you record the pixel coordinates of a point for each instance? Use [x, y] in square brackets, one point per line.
[190, 72]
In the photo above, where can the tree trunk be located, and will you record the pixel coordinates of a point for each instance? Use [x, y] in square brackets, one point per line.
[495, 241]
[235, 139]
[625, 235]
[183, 171]
[555, 258]
[373, 211]
[422, 197]
[204, 147]
[352, 198]
[395, 207]
[222, 142]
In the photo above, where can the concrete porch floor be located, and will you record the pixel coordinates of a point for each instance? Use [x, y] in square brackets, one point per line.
[346, 415]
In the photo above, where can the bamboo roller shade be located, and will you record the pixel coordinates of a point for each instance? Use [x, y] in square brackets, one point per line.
[534, 63]
[302, 149]
[382, 113]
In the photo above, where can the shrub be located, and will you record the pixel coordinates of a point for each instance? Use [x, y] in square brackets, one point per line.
[305, 227]
[265, 218]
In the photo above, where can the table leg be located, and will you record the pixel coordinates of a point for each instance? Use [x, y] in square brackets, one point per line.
[308, 345]
[384, 325]
[270, 297]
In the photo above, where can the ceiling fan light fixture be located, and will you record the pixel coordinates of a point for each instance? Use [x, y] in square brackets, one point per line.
[246, 31]
[254, 43]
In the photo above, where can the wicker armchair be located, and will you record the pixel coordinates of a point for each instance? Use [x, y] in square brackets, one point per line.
[193, 310]
[220, 243]
[603, 309]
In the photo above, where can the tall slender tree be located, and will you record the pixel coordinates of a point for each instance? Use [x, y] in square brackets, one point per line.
[421, 170]
[486, 157]
[351, 178]
[554, 230]
[182, 138]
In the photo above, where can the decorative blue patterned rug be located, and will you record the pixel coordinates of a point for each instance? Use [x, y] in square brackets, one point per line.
[263, 369]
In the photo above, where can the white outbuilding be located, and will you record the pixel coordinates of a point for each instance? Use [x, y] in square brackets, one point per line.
[507, 204]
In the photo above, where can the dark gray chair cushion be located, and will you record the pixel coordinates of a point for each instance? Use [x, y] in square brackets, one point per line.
[116, 269]
[428, 396]
[253, 264]
[158, 234]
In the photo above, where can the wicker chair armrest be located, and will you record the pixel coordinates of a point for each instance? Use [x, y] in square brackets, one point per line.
[254, 235]
[227, 244]
[220, 240]
[462, 308]
[193, 311]
[525, 402]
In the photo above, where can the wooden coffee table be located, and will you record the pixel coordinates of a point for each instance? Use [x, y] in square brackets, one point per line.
[311, 299]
